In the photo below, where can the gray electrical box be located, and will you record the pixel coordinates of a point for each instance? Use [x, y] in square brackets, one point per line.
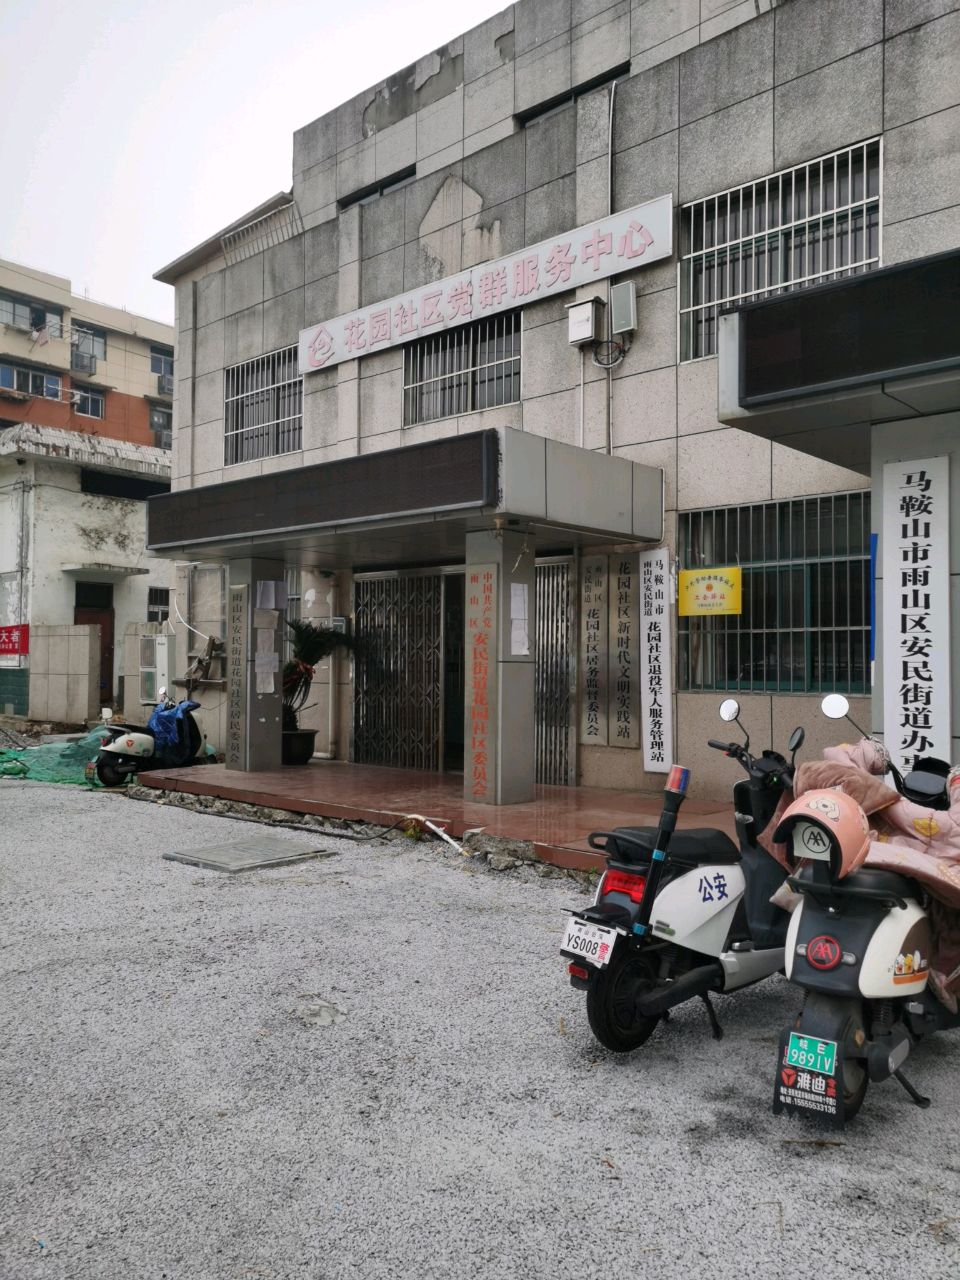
[623, 307]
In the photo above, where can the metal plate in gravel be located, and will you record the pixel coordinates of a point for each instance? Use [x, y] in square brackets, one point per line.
[248, 855]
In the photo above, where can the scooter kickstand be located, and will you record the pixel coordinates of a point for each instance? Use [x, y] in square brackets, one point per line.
[915, 1096]
[715, 1026]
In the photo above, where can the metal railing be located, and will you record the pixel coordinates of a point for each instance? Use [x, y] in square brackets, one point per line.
[263, 407]
[814, 222]
[473, 367]
[273, 228]
[805, 620]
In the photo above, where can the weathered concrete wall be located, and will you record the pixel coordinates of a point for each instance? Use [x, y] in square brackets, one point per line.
[719, 93]
[71, 528]
[65, 673]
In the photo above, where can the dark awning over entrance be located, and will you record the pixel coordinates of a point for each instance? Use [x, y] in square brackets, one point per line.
[414, 505]
[444, 475]
[814, 368]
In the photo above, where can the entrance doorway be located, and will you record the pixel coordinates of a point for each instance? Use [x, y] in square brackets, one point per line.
[409, 689]
[453, 673]
[93, 603]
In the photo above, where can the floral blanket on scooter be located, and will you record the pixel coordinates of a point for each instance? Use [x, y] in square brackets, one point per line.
[909, 839]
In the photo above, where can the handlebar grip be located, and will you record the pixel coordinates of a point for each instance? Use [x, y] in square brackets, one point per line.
[718, 746]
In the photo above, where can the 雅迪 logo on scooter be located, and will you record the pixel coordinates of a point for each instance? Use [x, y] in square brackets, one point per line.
[824, 952]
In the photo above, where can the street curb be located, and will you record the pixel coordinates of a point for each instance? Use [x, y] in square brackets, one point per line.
[498, 854]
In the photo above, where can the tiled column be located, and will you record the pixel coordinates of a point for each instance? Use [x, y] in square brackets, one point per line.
[253, 718]
[499, 672]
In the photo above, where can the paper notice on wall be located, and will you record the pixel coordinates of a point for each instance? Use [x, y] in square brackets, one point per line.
[267, 618]
[266, 661]
[271, 595]
[519, 624]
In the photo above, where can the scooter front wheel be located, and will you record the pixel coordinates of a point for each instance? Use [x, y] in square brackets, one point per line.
[109, 774]
[612, 1000]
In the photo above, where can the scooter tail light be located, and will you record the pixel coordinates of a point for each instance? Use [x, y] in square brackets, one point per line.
[578, 971]
[623, 882]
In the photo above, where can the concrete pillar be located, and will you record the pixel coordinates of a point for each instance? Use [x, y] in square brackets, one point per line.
[499, 676]
[253, 739]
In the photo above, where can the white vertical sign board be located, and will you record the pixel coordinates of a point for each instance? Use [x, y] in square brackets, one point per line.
[656, 661]
[916, 609]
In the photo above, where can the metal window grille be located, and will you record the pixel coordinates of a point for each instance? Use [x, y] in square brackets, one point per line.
[161, 424]
[805, 625]
[293, 610]
[817, 221]
[473, 367]
[263, 407]
[273, 228]
[88, 341]
[158, 604]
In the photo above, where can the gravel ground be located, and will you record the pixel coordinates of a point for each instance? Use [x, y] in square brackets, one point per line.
[373, 1066]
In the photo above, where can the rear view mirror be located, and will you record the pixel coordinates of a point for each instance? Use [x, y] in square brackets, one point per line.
[796, 741]
[729, 709]
[835, 706]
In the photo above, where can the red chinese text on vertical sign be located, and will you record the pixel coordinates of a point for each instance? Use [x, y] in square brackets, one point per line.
[482, 639]
[14, 641]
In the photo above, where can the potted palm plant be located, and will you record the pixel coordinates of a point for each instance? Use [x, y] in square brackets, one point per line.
[311, 643]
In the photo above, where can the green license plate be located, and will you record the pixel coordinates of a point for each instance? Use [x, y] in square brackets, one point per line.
[811, 1054]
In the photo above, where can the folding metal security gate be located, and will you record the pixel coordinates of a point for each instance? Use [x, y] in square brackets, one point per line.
[555, 674]
[398, 696]
[399, 690]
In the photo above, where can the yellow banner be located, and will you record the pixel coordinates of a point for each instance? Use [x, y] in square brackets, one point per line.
[711, 591]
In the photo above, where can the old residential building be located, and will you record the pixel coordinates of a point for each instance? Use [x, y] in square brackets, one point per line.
[85, 430]
[385, 398]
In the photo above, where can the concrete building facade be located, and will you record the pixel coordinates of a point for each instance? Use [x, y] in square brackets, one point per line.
[85, 432]
[797, 145]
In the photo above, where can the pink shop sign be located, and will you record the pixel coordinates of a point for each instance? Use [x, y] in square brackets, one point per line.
[613, 245]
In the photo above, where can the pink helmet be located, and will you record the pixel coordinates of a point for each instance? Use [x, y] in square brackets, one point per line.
[826, 825]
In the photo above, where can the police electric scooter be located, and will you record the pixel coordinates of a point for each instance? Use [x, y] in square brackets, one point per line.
[682, 915]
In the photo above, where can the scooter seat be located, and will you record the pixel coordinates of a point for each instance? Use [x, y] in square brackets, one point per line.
[702, 845]
[886, 881]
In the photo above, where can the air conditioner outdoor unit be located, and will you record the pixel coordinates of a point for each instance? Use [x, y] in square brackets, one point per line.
[156, 654]
[165, 384]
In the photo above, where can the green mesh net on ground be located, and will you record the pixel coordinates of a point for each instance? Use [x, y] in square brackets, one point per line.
[55, 761]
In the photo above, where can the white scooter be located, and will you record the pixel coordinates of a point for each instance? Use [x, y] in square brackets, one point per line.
[170, 739]
[859, 946]
[682, 915]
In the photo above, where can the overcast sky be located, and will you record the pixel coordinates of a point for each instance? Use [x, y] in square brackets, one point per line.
[134, 130]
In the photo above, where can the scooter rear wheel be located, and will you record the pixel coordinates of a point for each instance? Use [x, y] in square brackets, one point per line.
[109, 774]
[855, 1082]
[612, 1001]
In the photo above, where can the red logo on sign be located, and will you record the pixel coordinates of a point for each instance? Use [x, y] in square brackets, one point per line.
[788, 1076]
[823, 952]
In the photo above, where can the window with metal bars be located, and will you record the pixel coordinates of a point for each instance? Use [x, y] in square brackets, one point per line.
[263, 407]
[158, 604]
[89, 341]
[292, 613]
[474, 367]
[805, 625]
[817, 221]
